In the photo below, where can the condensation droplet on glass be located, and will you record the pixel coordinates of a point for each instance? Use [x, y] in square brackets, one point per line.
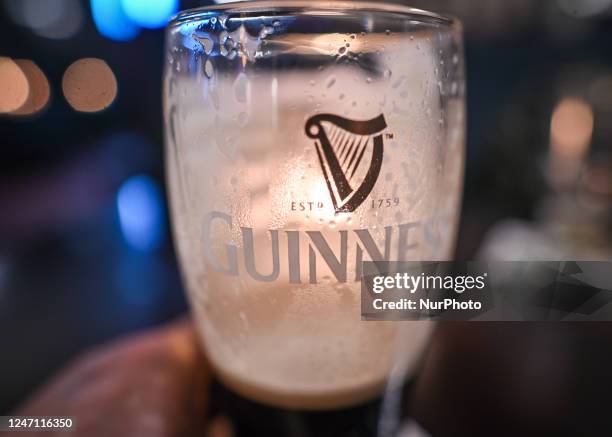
[341, 96]
[353, 36]
[332, 224]
[223, 20]
[312, 83]
[455, 59]
[387, 73]
[331, 81]
[265, 31]
[276, 23]
[209, 69]
[354, 104]
[243, 118]
[454, 88]
[227, 43]
[388, 32]
[342, 50]
[206, 43]
[241, 85]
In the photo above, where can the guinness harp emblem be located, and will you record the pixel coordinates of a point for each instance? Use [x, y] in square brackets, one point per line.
[350, 153]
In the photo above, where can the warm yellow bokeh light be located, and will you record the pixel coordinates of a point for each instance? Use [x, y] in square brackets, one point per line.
[38, 85]
[14, 86]
[571, 128]
[89, 85]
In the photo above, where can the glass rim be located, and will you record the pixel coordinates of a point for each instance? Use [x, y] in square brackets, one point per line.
[270, 7]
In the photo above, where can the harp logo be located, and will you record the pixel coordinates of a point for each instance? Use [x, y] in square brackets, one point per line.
[350, 153]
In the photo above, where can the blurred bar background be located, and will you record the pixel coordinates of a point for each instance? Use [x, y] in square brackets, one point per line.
[85, 247]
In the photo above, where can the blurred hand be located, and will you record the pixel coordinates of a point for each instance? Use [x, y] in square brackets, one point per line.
[153, 384]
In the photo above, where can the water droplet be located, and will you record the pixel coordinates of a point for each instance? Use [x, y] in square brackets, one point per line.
[332, 224]
[341, 97]
[353, 36]
[209, 69]
[206, 43]
[411, 37]
[241, 86]
[331, 81]
[354, 104]
[243, 118]
[223, 21]
[455, 59]
[454, 88]
[342, 50]
[228, 45]
[388, 32]
[265, 31]
[387, 73]
[348, 44]
[369, 80]
[276, 23]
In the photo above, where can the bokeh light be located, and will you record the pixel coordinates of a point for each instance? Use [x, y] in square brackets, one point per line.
[571, 128]
[89, 85]
[111, 21]
[55, 19]
[40, 90]
[14, 86]
[141, 217]
[150, 14]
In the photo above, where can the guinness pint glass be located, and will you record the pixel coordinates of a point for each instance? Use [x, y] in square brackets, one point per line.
[303, 138]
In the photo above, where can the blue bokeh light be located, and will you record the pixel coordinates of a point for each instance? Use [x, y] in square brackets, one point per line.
[111, 20]
[148, 13]
[141, 214]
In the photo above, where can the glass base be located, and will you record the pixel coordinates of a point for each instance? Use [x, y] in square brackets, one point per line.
[250, 418]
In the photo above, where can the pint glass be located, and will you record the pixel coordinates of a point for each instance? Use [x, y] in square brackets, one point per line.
[303, 138]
